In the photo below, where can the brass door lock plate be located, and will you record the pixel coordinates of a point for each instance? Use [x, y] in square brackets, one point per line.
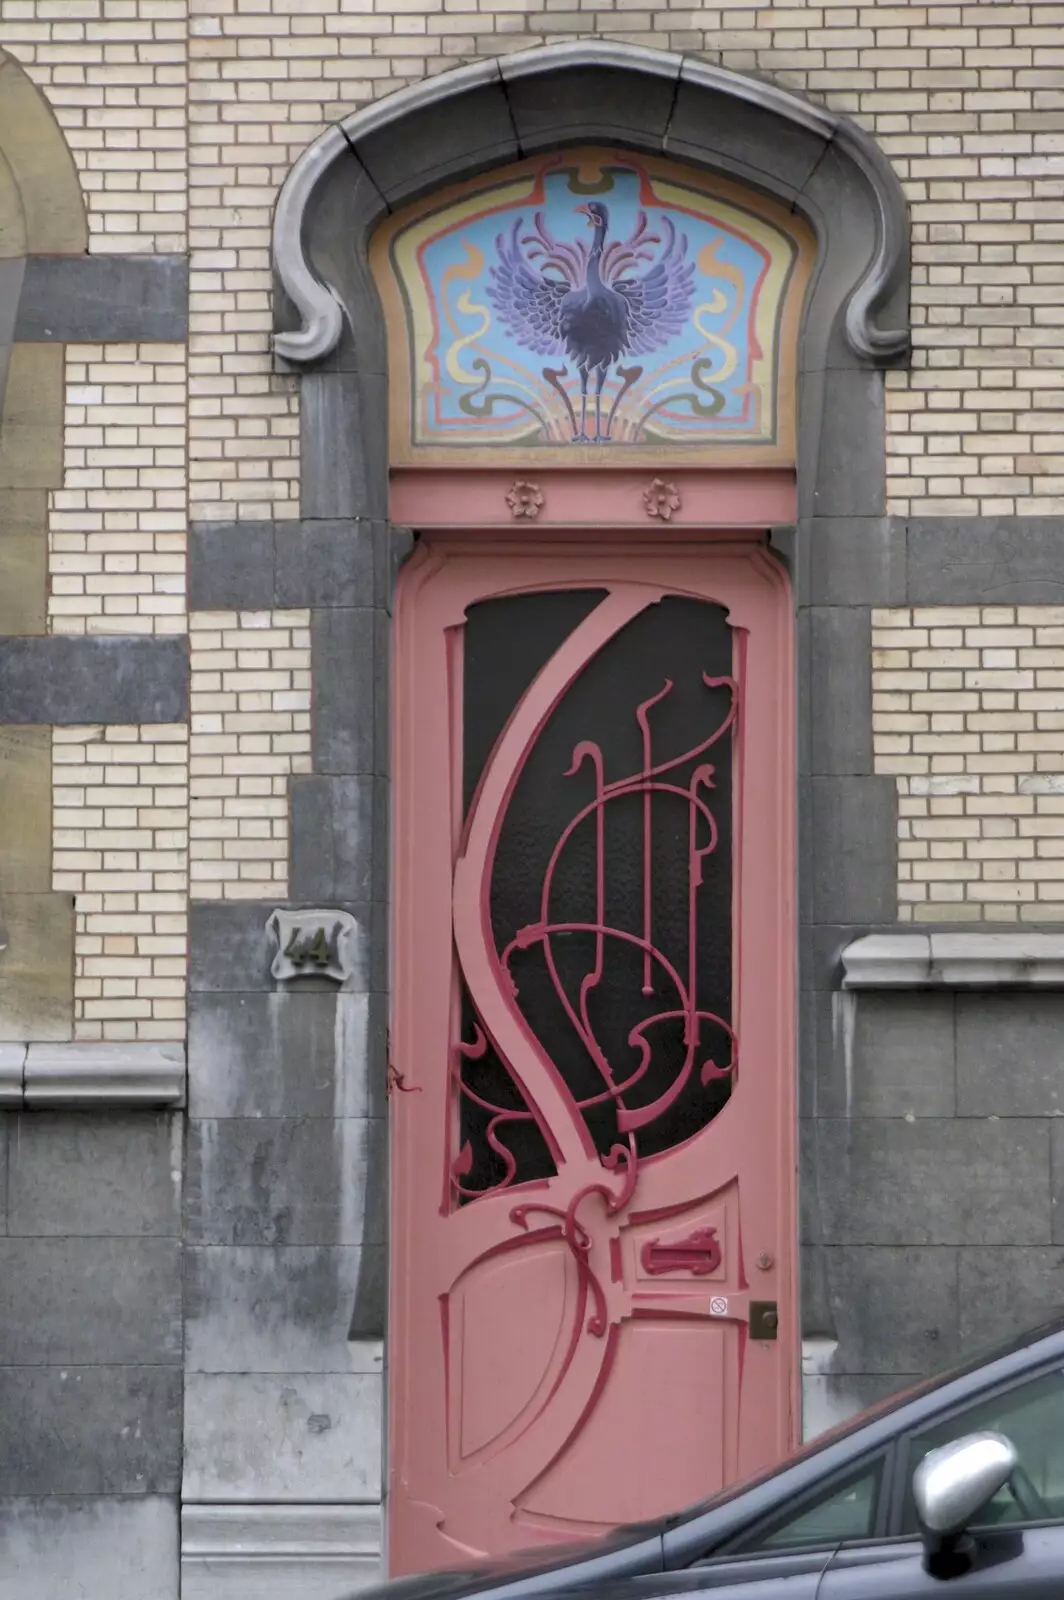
[764, 1319]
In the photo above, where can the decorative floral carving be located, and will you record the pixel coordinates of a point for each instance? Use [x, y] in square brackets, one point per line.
[662, 499]
[525, 499]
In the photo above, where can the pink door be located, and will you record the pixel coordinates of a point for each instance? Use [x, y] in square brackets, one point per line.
[593, 1230]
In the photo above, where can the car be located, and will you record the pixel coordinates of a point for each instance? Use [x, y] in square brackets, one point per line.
[953, 1487]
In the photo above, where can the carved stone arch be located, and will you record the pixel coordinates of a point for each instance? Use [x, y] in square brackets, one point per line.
[493, 112]
[41, 207]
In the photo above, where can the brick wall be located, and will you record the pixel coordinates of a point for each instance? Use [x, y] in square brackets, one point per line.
[120, 843]
[250, 706]
[967, 101]
[968, 709]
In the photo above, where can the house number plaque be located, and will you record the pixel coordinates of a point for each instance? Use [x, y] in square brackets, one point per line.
[312, 944]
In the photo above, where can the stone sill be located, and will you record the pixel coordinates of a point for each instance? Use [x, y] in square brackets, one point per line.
[278, 1552]
[84, 1076]
[954, 961]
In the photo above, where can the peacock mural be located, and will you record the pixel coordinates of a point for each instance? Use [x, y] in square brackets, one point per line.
[586, 303]
[582, 302]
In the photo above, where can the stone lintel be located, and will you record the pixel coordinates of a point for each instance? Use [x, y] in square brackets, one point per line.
[91, 1074]
[954, 961]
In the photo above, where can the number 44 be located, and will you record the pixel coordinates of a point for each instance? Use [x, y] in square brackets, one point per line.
[314, 948]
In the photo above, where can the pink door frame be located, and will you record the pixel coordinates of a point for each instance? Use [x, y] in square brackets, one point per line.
[426, 843]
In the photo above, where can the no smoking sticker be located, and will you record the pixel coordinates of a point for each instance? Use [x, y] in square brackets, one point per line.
[718, 1306]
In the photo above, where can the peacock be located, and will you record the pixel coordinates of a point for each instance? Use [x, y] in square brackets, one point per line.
[563, 299]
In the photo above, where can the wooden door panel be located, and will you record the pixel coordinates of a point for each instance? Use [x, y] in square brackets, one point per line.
[592, 1142]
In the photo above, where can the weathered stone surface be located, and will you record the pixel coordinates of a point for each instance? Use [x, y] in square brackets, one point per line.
[23, 595]
[332, 563]
[90, 1302]
[1010, 1055]
[41, 165]
[339, 837]
[270, 1181]
[281, 1309]
[90, 1430]
[275, 1552]
[854, 561]
[348, 653]
[25, 808]
[852, 823]
[887, 1055]
[37, 967]
[95, 1173]
[934, 1181]
[286, 1055]
[89, 1548]
[840, 689]
[231, 952]
[230, 566]
[893, 1310]
[115, 678]
[1008, 1290]
[92, 299]
[289, 1437]
[31, 442]
[984, 561]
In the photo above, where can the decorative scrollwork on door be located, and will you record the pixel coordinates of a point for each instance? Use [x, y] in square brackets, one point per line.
[609, 900]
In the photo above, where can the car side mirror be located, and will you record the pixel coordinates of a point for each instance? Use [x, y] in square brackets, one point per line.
[954, 1483]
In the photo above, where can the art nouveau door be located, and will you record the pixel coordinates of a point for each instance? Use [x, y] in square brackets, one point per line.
[592, 1212]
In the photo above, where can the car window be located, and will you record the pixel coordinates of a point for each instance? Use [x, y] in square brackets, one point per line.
[1031, 1415]
[842, 1511]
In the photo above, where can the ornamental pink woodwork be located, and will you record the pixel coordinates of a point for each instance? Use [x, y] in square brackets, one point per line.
[593, 1275]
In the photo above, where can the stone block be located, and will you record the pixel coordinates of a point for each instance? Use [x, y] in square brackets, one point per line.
[94, 1072]
[933, 1181]
[840, 690]
[64, 679]
[256, 1436]
[984, 561]
[343, 445]
[572, 105]
[90, 1430]
[285, 1309]
[339, 838]
[231, 952]
[1005, 1291]
[95, 1173]
[94, 1548]
[333, 563]
[453, 138]
[278, 1552]
[854, 561]
[854, 831]
[891, 1055]
[23, 597]
[94, 299]
[37, 966]
[850, 479]
[369, 1315]
[90, 1302]
[736, 136]
[31, 443]
[271, 1181]
[1010, 1054]
[230, 566]
[286, 1055]
[349, 653]
[894, 1310]
[25, 809]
